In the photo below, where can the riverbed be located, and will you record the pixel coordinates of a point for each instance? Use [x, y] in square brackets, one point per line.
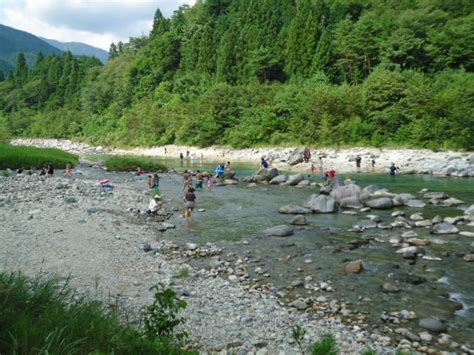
[236, 216]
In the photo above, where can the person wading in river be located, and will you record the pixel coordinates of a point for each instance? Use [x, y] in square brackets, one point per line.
[189, 199]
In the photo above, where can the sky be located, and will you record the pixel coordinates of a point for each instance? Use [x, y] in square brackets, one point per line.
[95, 22]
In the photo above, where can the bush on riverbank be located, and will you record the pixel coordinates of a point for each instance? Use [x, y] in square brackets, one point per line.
[131, 163]
[14, 157]
[38, 316]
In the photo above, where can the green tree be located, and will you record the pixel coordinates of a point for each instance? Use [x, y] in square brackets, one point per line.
[21, 72]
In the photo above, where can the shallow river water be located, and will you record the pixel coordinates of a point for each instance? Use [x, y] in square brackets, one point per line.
[234, 214]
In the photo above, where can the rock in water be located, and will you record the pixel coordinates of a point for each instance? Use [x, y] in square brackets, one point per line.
[296, 156]
[354, 267]
[299, 304]
[390, 288]
[279, 179]
[321, 203]
[452, 202]
[380, 203]
[469, 257]
[444, 228]
[415, 203]
[295, 179]
[299, 220]
[266, 174]
[433, 325]
[346, 191]
[279, 231]
[293, 209]
[436, 195]
[408, 252]
[351, 202]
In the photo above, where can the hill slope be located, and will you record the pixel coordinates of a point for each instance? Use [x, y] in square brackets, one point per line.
[13, 41]
[78, 48]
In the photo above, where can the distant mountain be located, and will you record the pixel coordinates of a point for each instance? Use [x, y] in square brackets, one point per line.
[13, 41]
[78, 48]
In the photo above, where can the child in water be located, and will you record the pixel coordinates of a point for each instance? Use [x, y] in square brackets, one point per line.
[210, 182]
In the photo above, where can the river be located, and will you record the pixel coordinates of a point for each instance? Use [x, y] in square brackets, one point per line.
[235, 217]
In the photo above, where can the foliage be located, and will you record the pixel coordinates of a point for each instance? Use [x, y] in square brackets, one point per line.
[183, 273]
[246, 73]
[298, 333]
[161, 317]
[14, 157]
[38, 316]
[325, 346]
[131, 163]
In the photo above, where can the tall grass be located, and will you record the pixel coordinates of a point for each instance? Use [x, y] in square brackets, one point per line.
[14, 157]
[38, 317]
[131, 163]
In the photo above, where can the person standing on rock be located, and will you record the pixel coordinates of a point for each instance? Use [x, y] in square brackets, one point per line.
[321, 165]
[358, 161]
[306, 154]
[264, 163]
[189, 199]
[373, 165]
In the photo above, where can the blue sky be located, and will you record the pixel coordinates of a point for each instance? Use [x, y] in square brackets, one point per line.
[95, 22]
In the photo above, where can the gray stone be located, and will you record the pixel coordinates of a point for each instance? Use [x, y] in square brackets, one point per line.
[294, 179]
[321, 204]
[299, 220]
[469, 257]
[303, 183]
[398, 214]
[409, 234]
[467, 234]
[354, 267]
[70, 199]
[279, 231]
[380, 203]
[416, 217]
[191, 246]
[444, 228]
[436, 195]
[299, 304]
[266, 174]
[408, 252]
[415, 203]
[390, 288]
[437, 219]
[424, 223]
[433, 325]
[351, 202]
[346, 191]
[147, 247]
[406, 197]
[370, 189]
[366, 224]
[418, 241]
[469, 210]
[279, 179]
[293, 209]
[296, 156]
[452, 202]
[453, 220]
[407, 334]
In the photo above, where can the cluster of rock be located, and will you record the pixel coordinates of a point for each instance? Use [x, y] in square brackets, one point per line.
[66, 145]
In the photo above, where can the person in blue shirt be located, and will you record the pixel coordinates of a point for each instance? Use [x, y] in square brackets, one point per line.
[264, 163]
[220, 170]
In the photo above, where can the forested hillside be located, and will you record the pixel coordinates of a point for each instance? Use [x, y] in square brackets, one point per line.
[78, 48]
[13, 41]
[250, 72]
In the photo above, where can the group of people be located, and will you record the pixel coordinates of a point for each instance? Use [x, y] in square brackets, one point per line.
[392, 170]
[46, 170]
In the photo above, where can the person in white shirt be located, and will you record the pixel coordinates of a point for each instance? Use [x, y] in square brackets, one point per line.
[155, 205]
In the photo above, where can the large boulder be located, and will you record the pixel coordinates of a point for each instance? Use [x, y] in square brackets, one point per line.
[295, 179]
[279, 231]
[452, 202]
[279, 179]
[409, 252]
[371, 189]
[344, 191]
[296, 156]
[266, 174]
[351, 202]
[303, 183]
[444, 228]
[294, 209]
[380, 203]
[321, 203]
[469, 210]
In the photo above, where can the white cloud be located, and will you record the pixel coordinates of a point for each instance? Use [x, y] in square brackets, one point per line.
[96, 22]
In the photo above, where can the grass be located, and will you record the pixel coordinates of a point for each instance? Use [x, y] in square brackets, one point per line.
[183, 273]
[325, 346]
[39, 317]
[14, 157]
[131, 163]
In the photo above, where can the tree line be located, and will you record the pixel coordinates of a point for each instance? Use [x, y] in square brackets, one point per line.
[256, 72]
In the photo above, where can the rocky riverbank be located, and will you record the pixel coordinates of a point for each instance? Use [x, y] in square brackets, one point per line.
[72, 228]
[410, 161]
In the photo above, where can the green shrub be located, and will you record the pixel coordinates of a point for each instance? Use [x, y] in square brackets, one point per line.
[326, 346]
[39, 317]
[15, 157]
[131, 163]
